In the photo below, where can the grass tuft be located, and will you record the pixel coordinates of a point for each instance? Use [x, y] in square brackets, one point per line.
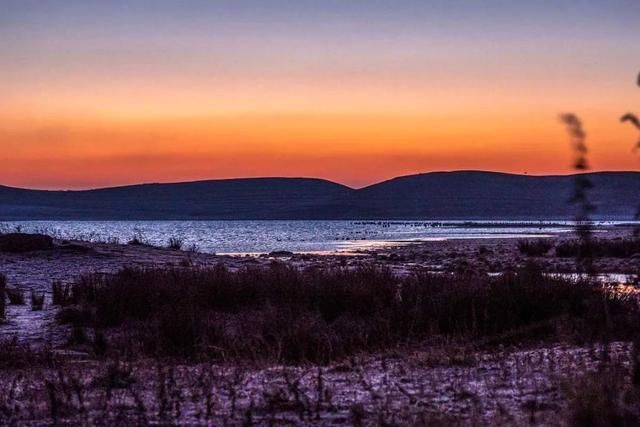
[534, 248]
[601, 248]
[15, 295]
[37, 301]
[60, 293]
[176, 243]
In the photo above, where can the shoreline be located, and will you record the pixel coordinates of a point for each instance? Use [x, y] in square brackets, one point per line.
[257, 237]
[454, 382]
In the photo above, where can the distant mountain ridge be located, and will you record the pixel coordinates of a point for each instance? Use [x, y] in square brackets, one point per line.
[437, 195]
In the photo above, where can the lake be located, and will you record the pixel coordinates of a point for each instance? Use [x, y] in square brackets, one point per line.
[233, 237]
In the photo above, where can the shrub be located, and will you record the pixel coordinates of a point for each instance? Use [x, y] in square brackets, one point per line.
[175, 243]
[21, 242]
[37, 301]
[16, 296]
[60, 294]
[534, 248]
[287, 315]
[619, 248]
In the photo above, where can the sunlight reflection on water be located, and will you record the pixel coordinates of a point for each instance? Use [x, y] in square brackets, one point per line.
[296, 236]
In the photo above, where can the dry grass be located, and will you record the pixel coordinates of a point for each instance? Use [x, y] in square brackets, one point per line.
[282, 314]
[534, 248]
[603, 398]
[37, 301]
[15, 296]
[60, 293]
[600, 248]
[22, 242]
[536, 387]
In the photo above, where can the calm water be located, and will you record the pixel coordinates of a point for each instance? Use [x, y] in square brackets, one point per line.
[297, 236]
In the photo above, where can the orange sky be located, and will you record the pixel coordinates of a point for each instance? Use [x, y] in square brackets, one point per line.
[96, 96]
[348, 148]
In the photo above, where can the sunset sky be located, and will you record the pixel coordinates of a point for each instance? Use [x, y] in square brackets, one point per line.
[101, 93]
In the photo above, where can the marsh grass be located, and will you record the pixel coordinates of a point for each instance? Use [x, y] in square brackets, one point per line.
[285, 315]
[60, 293]
[599, 248]
[37, 301]
[534, 248]
[23, 242]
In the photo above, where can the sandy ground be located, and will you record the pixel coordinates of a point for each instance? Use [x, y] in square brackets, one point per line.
[408, 387]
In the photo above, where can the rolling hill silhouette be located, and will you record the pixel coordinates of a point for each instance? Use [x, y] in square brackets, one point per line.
[438, 195]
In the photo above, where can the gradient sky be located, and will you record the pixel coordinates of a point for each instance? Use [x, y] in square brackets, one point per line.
[100, 93]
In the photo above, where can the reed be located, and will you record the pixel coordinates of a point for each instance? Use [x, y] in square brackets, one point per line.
[534, 248]
[37, 301]
[286, 315]
[580, 196]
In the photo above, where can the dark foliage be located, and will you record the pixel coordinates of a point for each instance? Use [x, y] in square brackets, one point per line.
[21, 242]
[16, 296]
[539, 247]
[175, 243]
[60, 293]
[286, 315]
[37, 301]
[619, 248]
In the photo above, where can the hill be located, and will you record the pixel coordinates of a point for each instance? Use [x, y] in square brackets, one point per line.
[437, 195]
[255, 198]
[490, 195]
